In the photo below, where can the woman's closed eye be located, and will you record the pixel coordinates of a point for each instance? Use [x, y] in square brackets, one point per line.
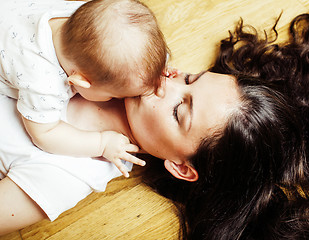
[175, 111]
[182, 112]
[188, 80]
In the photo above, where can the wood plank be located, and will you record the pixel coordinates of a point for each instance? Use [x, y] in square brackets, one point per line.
[130, 212]
[11, 236]
[305, 3]
[193, 28]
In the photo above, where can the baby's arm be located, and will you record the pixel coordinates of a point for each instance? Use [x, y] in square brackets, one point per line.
[63, 138]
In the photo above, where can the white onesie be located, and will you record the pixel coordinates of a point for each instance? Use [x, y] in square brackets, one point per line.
[56, 183]
[30, 73]
[29, 68]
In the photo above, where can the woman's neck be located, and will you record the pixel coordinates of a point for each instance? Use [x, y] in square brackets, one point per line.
[99, 116]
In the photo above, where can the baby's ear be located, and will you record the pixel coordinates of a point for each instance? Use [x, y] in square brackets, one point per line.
[78, 80]
[181, 170]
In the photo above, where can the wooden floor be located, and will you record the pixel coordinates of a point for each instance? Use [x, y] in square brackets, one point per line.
[128, 209]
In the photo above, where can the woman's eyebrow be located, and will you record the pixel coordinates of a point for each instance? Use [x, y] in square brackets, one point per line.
[201, 74]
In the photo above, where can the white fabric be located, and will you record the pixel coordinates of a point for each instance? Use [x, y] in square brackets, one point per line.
[56, 183]
[29, 68]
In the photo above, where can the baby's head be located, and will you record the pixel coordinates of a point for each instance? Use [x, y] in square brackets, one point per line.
[117, 46]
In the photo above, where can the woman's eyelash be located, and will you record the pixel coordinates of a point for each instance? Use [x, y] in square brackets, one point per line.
[187, 79]
[175, 111]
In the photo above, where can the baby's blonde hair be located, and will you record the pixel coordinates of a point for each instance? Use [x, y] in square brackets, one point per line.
[110, 40]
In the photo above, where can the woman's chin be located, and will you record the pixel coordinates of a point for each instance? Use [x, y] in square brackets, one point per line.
[132, 100]
[134, 117]
[131, 104]
[127, 101]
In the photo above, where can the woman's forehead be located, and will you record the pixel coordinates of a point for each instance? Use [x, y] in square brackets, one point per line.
[215, 97]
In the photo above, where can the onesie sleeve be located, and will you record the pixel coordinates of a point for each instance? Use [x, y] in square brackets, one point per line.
[43, 88]
[41, 108]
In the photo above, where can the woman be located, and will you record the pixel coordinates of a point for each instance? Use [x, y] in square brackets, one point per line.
[206, 127]
[253, 171]
[44, 176]
[193, 106]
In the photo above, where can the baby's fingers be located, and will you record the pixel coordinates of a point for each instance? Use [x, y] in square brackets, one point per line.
[130, 158]
[131, 148]
[122, 168]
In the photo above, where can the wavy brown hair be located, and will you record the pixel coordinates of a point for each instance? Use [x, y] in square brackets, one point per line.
[253, 173]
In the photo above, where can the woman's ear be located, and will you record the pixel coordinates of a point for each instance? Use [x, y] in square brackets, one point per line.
[78, 80]
[181, 171]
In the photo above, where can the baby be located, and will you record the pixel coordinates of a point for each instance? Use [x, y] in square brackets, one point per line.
[102, 49]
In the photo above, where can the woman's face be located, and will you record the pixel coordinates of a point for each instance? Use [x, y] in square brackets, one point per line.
[192, 107]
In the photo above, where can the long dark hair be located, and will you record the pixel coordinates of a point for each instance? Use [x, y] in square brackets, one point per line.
[253, 172]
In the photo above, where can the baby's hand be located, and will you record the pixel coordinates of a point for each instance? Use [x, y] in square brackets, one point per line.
[117, 148]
